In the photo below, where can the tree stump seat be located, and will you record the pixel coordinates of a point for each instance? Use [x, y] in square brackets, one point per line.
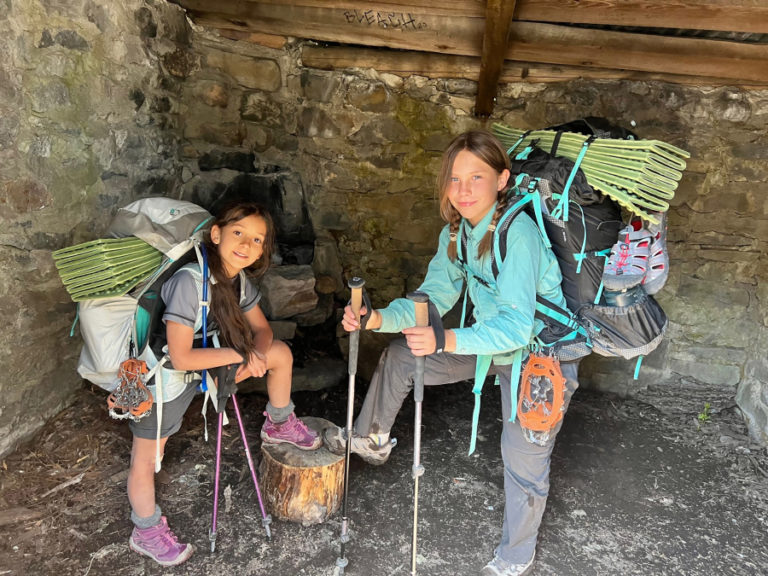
[301, 485]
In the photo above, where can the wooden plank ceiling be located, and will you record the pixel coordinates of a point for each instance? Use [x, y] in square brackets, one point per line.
[702, 42]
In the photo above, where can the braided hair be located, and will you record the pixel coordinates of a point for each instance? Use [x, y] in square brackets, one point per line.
[487, 148]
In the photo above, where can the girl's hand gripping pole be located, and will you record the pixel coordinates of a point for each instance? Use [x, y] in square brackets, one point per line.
[421, 305]
[356, 286]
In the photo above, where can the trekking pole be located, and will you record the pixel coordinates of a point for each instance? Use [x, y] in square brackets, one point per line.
[203, 256]
[266, 519]
[227, 388]
[356, 285]
[421, 305]
[212, 533]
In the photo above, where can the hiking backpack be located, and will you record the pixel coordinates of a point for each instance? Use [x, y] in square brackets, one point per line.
[120, 307]
[581, 225]
[119, 327]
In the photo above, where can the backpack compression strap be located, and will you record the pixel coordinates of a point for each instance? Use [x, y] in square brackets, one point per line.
[561, 210]
[533, 195]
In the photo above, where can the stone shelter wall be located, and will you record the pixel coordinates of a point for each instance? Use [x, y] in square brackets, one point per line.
[89, 94]
[100, 104]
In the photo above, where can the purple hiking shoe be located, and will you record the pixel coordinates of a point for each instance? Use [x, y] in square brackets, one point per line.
[160, 543]
[292, 431]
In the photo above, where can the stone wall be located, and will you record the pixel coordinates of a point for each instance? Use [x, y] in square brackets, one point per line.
[101, 103]
[89, 98]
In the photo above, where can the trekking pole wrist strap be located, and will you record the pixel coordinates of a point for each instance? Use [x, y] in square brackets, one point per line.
[368, 309]
[437, 326]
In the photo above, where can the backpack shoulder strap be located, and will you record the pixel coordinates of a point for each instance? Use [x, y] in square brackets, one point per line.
[499, 245]
[546, 311]
[461, 245]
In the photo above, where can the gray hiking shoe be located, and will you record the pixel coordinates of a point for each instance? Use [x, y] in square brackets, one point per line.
[335, 440]
[499, 567]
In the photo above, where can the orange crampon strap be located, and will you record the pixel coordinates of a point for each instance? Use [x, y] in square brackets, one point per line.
[542, 394]
[131, 399]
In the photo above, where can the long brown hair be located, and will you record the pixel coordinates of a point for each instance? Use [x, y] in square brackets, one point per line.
[487, 148]
[233, 326]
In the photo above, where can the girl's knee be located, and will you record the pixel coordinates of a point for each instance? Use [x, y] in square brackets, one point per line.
[396, 366]
[279, 355]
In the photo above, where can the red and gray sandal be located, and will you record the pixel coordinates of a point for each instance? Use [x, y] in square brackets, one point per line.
[627, 265]
[658, 262]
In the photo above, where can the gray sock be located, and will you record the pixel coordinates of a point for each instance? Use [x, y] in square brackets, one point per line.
[143, 523]
[279, 415]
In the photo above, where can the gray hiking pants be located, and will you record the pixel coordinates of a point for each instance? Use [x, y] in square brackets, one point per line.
[526, 465]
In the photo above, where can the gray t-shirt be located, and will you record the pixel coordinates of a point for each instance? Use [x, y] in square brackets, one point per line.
[181, 295]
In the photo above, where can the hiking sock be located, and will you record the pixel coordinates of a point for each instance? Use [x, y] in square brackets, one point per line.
[280, 415]
[149, 521]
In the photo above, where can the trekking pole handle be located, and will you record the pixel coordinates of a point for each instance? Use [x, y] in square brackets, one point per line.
[421, 308]
[356, 286]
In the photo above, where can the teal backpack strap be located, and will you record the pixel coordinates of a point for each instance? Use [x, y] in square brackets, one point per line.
[604, 254]
[525, 152]
[637, 366]
[546, 309]
[499, 247]
[533, 196]
[481, 371]
[516, 144]
[561, 210]
[74, 323]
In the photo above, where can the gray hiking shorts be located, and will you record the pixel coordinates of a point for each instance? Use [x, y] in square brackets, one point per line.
[173, 414]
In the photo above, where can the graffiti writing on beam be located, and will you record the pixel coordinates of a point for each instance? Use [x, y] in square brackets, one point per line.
[395, 20]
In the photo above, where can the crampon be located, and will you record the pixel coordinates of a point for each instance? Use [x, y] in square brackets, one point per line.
[131, 399]
[542, 394]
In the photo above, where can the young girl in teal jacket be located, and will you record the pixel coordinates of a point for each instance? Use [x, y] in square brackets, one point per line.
[473, 185]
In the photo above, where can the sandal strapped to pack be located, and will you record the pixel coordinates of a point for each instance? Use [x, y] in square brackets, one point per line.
[658, 262]
[131, 399]
[627, 264]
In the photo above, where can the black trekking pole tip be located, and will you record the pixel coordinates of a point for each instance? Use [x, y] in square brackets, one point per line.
[356, 282]
[418, 297]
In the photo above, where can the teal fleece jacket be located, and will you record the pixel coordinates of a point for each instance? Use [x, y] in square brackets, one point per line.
[503, 309]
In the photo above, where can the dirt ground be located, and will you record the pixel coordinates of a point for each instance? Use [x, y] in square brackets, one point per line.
[633, 491]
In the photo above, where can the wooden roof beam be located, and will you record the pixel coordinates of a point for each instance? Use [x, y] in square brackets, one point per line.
[498, 20]
[449, 66]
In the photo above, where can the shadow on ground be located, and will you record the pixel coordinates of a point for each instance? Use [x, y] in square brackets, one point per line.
[633, 492]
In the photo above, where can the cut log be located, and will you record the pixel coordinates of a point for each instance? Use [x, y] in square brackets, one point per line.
[299, 485]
